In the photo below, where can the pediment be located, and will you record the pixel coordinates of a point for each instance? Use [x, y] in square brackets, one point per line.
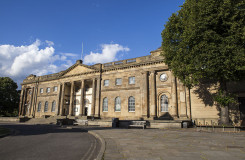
[78, 69]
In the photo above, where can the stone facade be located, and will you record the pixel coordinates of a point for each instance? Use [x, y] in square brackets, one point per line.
[139, 88]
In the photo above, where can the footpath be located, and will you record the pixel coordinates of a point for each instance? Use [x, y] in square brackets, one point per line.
[170, 144]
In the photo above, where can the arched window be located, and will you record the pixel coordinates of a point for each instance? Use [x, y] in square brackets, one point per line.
[46, 106]
[105, 104]
[53, 106]
[39, 107]
[131, 104]
[164, 103]
[117, 104]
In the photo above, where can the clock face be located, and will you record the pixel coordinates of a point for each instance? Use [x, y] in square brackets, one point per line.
[163, 77]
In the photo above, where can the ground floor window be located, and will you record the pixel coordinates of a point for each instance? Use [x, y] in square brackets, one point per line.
[39, 107]
[117, 104]
[131, 104]
[53, 106]
[46, 106]
[105, 104]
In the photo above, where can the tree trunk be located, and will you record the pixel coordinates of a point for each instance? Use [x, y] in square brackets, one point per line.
[224, 113]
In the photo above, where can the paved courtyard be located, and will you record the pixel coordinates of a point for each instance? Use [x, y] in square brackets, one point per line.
[171, 144]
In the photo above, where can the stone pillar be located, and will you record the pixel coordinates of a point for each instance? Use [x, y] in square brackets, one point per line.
[21, 101]
[153, 94]
[35, 100]
[174, 97]
[93, 98]
[31, 103]
[71, 98]
[82, 107]
[188, 103]
[145, 95]
[62, 98]
[97, 101]
[57, 110]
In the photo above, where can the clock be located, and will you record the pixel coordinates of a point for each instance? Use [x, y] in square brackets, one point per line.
[163, 77]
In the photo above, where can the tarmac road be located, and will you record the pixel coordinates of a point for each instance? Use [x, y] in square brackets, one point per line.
[48, 142]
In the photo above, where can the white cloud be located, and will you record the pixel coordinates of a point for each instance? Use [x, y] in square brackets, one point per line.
[18, 62]
[108, 54]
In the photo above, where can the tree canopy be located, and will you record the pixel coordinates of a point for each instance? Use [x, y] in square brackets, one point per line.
[9, 97]
[205, 41]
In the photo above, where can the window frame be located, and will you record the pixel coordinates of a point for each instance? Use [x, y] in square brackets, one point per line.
[53, 106]
[55, 89]
[46, 106]
[106, 84]
[131, 104]
[105, 105]
[133, 77]
[39, 107]
[41, 90]
[117, 102]
[116, 82]
[48, 90]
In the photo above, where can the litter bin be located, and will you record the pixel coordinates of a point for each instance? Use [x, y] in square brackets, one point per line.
[115, 122]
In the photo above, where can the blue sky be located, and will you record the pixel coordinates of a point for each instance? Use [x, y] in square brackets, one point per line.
[45, 36]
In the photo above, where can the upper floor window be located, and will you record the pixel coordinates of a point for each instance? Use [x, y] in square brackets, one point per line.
[131, 104]
[106, 82]
[55, 88]
[53, 106]
[46, 106]
[105, 104]
[117, 104]
[119, 81]
[41, 90]
[48, 90]
[164, 103]
[39, 107]
[131, 80]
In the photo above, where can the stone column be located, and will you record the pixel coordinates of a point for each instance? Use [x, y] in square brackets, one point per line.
[97, 101]
[188, 103]
[35, 100]
[145, 95]
[174, 97]
[31, 103]
[93, 98]
[153, 94]
[57, 110]
[21, 101]
[82, 107]
[62, 98]
[71, 98]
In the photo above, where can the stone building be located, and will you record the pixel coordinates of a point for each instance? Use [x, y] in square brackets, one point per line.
[132, 89]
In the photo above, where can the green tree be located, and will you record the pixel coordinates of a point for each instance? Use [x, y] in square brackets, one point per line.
[9, 97]
[205, 40]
